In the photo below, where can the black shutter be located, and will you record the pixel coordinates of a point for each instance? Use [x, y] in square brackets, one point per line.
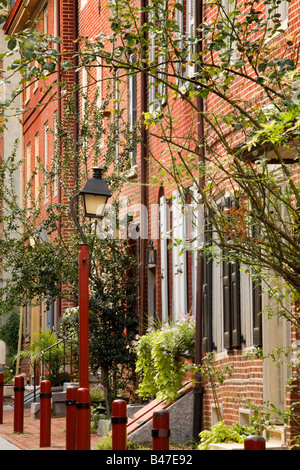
[231, 298]
[207, 305]
[226, 305]
[235, 305]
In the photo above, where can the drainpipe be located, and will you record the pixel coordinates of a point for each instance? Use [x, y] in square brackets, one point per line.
[76, 80]
[143, 197]
[57, 19]
[198, 389]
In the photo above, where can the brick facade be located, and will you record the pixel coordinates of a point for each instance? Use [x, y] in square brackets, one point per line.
[247, 380]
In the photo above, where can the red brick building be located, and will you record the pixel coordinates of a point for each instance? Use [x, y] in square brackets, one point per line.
[169, 287]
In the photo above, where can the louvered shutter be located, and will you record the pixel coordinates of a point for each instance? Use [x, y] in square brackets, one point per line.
[164, 227]
[178, 258]
[235, 305]
[226, 305]
[231, 300]
[207, 305]
[256, 314]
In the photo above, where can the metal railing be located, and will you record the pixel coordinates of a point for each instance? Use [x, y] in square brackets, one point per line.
[60, 360]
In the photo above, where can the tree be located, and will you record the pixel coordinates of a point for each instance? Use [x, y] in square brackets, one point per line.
[233, 145]
[242, 153]
[39, 250]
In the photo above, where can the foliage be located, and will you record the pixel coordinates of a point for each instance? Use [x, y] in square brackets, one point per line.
[163, 358]
[8, 375]
[220, 432]
[41, 349]
[214, 374]
[98, 410]
[97, 394]
[9, 333]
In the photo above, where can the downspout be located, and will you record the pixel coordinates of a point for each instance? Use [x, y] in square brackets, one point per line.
[143, 196]
[76, 82]
[198, 389]
[57, 19]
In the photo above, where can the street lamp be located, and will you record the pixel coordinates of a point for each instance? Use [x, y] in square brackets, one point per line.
[95, 195]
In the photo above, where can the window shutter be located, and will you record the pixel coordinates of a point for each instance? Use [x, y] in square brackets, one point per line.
[179, 259]
[235, 305]
[226, 305]
[231, 298]
[207, 305]
[207, 293]
[164, 258]
[256, 312]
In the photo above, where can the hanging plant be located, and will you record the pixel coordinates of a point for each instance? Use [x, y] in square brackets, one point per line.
[164, 357]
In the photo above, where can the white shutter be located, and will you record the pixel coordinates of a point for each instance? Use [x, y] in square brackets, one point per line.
[164, 227]
[190, 32]
[179, 260]
[197, 240]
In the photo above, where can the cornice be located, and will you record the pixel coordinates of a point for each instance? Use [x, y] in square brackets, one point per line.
[21, 14]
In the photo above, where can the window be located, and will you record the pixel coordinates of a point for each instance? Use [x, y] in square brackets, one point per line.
[133, 115]
[190, 35]
[116, 115]
[45, 21]
[36, 165]
[157, 89]
[46, 157]
[229, 7]
[54, 159]
[187, 31]
[232, 301]
[28, 163]
[84, 89]
[278, 13]
[99, 78]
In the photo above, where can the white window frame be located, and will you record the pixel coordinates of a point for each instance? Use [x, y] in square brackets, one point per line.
[283, 11]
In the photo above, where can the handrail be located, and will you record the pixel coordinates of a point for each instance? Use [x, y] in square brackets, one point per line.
[63, 340]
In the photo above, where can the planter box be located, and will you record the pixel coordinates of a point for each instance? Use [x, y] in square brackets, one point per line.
[8, 391]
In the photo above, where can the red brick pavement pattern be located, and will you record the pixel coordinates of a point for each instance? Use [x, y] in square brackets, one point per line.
[30, 438]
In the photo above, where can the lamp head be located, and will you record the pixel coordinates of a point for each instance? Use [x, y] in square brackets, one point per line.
[95, 194]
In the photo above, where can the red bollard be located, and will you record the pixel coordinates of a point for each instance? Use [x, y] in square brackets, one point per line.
[19, 403]
[254, 443]
[160, 431]
[83, 419]
[1, 397]
[71, 417]
[119, 423]
[45, 413]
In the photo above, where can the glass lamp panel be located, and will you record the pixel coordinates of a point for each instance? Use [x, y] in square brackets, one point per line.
[94, 205]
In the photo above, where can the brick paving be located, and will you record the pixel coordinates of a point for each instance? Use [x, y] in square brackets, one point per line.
[30, 438]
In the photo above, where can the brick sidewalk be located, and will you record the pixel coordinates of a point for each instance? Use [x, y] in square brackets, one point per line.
[30, 438]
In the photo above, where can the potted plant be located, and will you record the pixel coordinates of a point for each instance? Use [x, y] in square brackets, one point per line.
[164, 356]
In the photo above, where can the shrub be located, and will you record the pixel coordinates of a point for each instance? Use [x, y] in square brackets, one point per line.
[220, 432]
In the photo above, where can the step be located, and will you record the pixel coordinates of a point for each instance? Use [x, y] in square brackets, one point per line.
[145, 415]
